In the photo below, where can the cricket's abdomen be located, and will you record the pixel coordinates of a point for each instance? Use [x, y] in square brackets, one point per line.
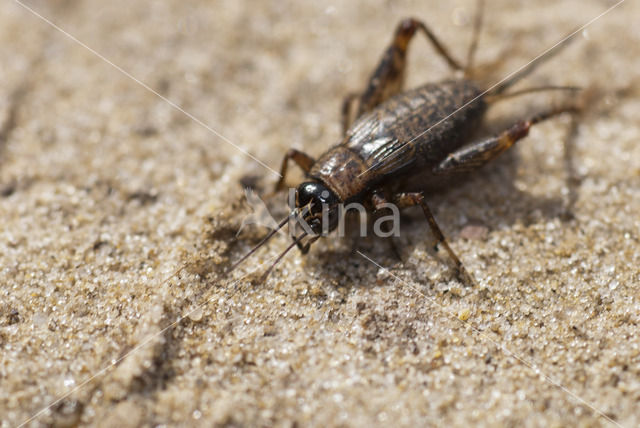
[434, 119]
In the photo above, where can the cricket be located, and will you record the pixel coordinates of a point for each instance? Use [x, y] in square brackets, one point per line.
[395, 139]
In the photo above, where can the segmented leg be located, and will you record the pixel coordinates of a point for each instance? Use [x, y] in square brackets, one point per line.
[347, 110]
[378, 201]
[303, 160]
[477, 154]
[473, 47]
[304, 249]
[404, 200]
[388, 77]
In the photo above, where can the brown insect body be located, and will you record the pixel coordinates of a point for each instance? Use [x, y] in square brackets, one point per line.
[388, 144]
[398, 136]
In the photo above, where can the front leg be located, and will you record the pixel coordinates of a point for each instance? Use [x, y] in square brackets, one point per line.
[304, 249]
[303, 160]
[404, 200]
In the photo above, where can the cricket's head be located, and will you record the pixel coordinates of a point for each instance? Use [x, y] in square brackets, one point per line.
[315, 209]
[318, 206]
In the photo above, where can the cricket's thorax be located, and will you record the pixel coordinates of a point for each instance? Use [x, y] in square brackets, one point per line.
[340, 169]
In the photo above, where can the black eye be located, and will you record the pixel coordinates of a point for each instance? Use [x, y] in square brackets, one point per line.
[315, 192]
[306, 193]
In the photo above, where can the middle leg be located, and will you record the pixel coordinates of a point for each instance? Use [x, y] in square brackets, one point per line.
[380, 204]
[404, 200]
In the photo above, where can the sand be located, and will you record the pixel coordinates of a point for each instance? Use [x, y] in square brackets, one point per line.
[106, 190]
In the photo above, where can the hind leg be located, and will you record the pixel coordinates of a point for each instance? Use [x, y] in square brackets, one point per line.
[477, 26]
[388, 77]
[476, 154]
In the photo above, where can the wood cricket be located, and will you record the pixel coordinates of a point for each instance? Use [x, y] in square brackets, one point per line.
[402, 137]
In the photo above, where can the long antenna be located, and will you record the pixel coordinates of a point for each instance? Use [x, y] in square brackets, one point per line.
[260, 244]
[276, 261]
[502, 96]
[527, 69]
[304, 211]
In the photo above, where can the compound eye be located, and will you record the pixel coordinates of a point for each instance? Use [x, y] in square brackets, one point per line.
[306, 193]
[316, 193]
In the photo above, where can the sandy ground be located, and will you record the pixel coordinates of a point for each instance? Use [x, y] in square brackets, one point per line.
[106, 190]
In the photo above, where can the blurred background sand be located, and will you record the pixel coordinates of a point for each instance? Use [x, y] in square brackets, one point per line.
[106, 190]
